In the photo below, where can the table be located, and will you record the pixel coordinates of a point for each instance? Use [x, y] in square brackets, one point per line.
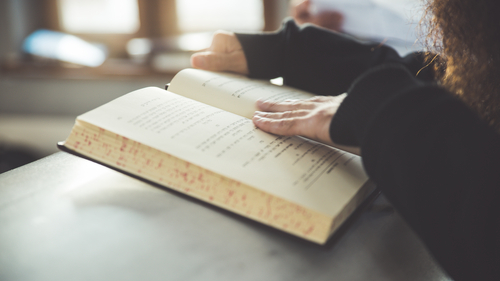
[65, 218]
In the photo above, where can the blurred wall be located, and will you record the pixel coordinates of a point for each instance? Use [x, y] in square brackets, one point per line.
[17, 19]
[36, 112]
[3, 28]
[23, 95]
[69, 97]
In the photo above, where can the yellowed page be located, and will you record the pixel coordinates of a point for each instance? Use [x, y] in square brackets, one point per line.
[230, 92]
[311, 174]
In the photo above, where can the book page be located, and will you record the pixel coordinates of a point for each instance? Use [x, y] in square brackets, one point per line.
[230, 92]
[312, 174]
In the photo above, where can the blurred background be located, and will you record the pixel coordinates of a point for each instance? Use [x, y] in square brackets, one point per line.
[61, 58]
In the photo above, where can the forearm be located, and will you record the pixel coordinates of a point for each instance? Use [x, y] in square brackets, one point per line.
[436, 162]
[316, 59]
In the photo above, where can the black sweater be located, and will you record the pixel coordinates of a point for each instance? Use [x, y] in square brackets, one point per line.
[432, 157]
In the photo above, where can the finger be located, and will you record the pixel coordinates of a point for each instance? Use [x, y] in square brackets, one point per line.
[289, 105]
[282, 115]
[284, 127]
[234, 61]
[301, 12]
[313, 124]
[224, 42]
[329, 99]
[333, 20]
[198, 60]
[320, 99]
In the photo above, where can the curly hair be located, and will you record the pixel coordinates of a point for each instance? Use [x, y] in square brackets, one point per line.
[466, 36]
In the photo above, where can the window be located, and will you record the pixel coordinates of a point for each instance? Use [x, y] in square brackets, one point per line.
[99, 16]
[115, 22]
[140, 36]
[203, 15]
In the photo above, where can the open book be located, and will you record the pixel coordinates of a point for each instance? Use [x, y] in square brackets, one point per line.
[197, 138]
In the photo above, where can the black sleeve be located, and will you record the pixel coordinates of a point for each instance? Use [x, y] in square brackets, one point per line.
[435, 160]
[318, 60]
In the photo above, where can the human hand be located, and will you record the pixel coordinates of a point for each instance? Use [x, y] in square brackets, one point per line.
[310, 118]
[225, 54]
[304, 12]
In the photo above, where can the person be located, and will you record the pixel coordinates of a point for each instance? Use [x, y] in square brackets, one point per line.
[306, 12]
[393, 22]
[427, 125]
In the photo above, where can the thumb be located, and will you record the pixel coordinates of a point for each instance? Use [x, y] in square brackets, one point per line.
[214, 61]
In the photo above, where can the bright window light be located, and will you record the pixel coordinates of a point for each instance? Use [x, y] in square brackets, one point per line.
[99, 16]
[63, 47]
[203, 15]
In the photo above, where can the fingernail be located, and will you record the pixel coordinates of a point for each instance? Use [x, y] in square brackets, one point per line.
[199, 61]
[257, 118]
[259, 103]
